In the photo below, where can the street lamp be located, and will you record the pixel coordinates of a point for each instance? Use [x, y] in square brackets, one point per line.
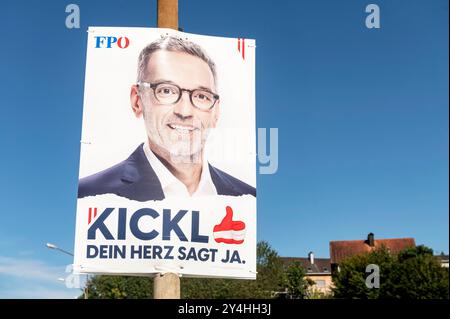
[53, 246]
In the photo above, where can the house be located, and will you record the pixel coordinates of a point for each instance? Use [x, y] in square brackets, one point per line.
[317, 269]
[443, 259]
[340, 250]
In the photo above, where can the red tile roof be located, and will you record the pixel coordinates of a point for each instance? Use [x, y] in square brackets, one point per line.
[346, 248]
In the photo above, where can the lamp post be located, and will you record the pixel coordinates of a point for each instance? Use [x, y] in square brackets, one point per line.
[55, 247]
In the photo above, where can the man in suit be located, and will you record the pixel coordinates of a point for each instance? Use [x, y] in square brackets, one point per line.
[176, 94]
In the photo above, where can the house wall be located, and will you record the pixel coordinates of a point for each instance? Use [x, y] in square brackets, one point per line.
[325, 282]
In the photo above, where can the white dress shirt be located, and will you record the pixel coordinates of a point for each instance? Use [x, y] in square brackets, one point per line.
[172, 186]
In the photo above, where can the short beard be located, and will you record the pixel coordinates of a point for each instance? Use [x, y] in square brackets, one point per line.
[181, 149]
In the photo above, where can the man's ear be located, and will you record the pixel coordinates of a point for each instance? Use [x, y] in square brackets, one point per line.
[216, 113]
[135, 100]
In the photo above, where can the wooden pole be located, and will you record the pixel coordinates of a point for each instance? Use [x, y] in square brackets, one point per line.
[167, 286]
[167, 14]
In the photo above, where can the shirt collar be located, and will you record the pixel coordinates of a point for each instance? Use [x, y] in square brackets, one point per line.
[169, 182]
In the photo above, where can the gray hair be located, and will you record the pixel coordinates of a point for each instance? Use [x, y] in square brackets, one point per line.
[173, 44]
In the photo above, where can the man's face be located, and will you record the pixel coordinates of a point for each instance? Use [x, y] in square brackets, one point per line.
[179, 129]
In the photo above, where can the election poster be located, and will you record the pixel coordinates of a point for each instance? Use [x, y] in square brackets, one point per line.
[167, 176]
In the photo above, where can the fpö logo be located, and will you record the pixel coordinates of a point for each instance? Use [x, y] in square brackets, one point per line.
[111, 42]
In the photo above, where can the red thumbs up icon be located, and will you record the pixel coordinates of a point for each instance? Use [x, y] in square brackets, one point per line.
[229, 231]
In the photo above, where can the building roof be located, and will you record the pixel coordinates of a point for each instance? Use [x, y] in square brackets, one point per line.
[346, 248]
[442, 257]
[320, 266]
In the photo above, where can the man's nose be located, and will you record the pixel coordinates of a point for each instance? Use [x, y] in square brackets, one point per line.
[183, 108]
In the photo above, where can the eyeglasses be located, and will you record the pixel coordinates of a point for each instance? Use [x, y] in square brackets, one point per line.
[169, 93]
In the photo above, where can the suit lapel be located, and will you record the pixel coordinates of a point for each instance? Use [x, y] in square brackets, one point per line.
[141, 183]
[221, 182]
[140, 180]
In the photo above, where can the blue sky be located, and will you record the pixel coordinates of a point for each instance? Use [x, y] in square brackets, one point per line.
[362, 117]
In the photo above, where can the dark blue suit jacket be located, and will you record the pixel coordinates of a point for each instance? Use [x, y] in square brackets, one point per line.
[135, 179]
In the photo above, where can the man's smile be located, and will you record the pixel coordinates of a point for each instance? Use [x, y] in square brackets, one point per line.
[182, 128]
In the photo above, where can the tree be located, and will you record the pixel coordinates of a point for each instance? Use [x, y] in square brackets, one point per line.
[350, 280]
[418, 275]
[269, 280]
[270, 271]
[119, 287]
[413, 273]
[295, 281]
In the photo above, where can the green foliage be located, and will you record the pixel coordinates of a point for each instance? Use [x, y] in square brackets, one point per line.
[208, 288]
[265, 255]
[269, 279]
[315, 293]
[412, 274]
[419, 275]
[295, 281]
[120, 287]
[270, 271]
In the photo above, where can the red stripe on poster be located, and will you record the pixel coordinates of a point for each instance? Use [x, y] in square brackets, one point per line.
[229, 241]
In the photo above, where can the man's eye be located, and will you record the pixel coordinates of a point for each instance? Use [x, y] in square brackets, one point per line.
[166, 91]
[202, 97]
